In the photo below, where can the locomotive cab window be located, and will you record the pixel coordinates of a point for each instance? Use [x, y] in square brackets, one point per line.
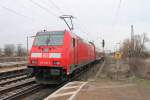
[73, 42]
[49, 38]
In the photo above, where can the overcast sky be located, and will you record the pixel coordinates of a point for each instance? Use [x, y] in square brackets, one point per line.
[95, 19]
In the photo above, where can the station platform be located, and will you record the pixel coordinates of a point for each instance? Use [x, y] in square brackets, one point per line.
[8, 64]
[100, 90]
[7, 69]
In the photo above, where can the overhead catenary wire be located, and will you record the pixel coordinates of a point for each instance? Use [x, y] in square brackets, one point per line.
[44, 8]
[82, 30]
[118, 8]
[115, 21]
[56, 6]
[43, 18]
[19, 14]
[50, 7]
[116, 16]
[117, 11]
[62, 12]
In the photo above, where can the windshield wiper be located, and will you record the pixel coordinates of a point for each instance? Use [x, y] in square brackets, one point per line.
[48, 40]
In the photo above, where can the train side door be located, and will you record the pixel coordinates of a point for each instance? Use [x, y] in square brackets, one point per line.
[75, 51]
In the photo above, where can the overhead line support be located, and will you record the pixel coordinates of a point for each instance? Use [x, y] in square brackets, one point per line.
[70, 17]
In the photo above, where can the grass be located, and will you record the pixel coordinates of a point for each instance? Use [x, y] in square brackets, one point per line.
[141, 82]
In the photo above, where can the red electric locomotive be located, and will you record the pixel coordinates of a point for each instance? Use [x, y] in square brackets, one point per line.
[55, 55]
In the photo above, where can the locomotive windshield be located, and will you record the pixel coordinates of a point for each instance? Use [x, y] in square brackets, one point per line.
[49, 38]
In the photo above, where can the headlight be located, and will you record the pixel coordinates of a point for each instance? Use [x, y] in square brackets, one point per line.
[36, 54]
[34, 61]
[55, 55]
[56, 62]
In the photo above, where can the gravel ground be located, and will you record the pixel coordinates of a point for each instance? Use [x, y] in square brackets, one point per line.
[40, 94]
[113, 90]
[90, 73]
[115, 84]
[115, 70]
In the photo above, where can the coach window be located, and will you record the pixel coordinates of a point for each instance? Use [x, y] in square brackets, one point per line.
[73, 42]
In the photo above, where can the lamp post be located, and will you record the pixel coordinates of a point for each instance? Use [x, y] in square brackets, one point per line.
[28, 44]
[19, 49]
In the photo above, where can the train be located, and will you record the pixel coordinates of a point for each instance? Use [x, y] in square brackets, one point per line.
[55, 56]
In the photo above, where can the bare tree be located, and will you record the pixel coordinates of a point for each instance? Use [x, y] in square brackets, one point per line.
[126, 48]
[135, 48]
[21, 51]
[0, 51]
[139, 45]
[9, 50]
[24, 52]
[136, 51]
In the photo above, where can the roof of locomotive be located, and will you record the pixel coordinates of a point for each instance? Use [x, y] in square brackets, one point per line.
[50, 32]
[62, 32]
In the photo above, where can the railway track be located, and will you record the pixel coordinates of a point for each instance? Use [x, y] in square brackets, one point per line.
[43, 93]
[26, 89]
[16, 83]
[13, 80]
[21, 87]
[14, 73]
